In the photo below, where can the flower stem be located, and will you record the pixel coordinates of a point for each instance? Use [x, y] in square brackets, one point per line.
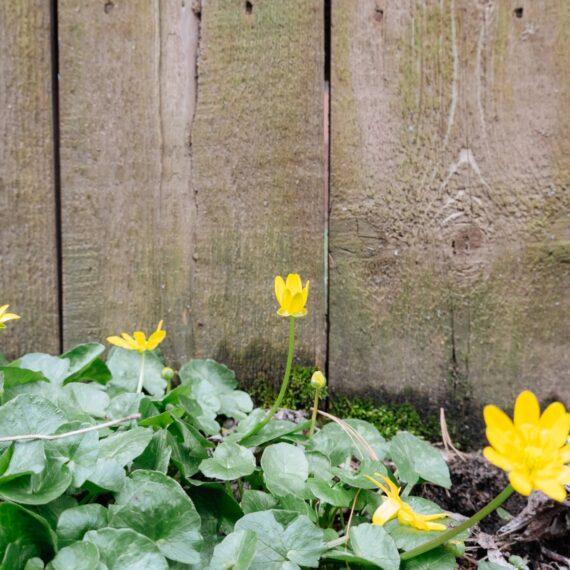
[452, 532]
[257, 428]
[141, 375]
[315, 410]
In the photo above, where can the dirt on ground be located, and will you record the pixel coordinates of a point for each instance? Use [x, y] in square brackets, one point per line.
[531, 532]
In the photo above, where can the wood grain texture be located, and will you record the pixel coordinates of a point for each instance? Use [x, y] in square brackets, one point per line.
[257, 148]
[28, 276]
[128, 96]
[450, 223]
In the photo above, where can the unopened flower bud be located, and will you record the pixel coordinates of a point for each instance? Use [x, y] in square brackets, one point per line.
[318, 380]
[167, 373]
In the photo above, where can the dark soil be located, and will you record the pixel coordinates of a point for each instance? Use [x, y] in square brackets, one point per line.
[535, 528]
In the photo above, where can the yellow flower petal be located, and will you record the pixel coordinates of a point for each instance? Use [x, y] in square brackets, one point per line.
[305, 293]
[9, 317]
[296, 303]
[558, 433]
[385, 512]
[551, 488]
[279, 288]
[565, 454]
[118, 341]
[130, 341]
[435, 526]
[155, 339]
[294, 283]
[497, 459]
[551, 414]
[378, 484]
[521, 482]
[496, 418]
[527, 409]
[286, 300]
[500, 440]
[3, 309]
[140, 339]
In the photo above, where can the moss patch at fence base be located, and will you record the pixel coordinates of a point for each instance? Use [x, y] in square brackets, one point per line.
[388, 418]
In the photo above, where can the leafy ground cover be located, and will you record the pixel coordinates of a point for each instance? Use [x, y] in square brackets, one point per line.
[123, 464]
[172, 489]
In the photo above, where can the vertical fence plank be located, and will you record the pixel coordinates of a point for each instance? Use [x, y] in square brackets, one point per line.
[28, 275]
[450, 218]
[258, 176]
[127, 101]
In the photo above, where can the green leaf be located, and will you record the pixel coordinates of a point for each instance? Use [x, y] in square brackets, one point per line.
[124, 405]
[230, 461]
[51, 367]
[14, 376]
[254, 501]
[436, 559]
[156, 456]
[372, 436]
[38, 489]
[357, 478]
[125, 366]
[213, 387]
[79, 452]
[373, 543]
[155, 505]
[89, 398]
[333, 442]
[125, 549]
[79, 359]
[34, 564]
[75, 522]
[336, 496]
[188, 447]
[273, 430]
[285, 469]
[235, 552]
[300, 543]
[115, 452]
[415, 459]
[218, 511]
[319, 465]
[29, 414]
[221, 377]
[79, 555]
[22, 458]
[27, 529]
[486, 565]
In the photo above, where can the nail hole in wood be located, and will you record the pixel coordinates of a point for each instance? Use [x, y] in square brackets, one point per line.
[518, 12]
[248, 7]
[378, 14]
[108, 7]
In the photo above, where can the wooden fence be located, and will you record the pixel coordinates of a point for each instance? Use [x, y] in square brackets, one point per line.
[166, 158]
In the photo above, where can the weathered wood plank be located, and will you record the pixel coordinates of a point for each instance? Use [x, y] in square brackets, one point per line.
[450, 224]
[28, 277]
[257, 151]
[127, 103]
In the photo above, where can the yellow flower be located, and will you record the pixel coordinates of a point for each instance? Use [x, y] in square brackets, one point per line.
[394, 507]
[4, 316]
[532, 449]
[139, 342]
[291, 295]
[318, 380]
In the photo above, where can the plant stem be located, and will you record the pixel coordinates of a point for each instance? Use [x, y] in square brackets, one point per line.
[240, 488]
[315, 410]
[141, 375]
[257, 428]
[452, 532]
